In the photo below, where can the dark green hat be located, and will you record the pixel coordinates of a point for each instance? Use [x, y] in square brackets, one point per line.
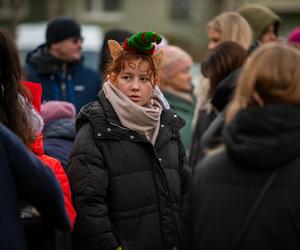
[259, 18]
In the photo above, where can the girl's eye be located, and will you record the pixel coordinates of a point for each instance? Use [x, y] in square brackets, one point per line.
[144, 79]
[126, 77]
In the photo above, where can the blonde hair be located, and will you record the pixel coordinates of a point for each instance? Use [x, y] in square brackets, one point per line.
[232, 27]
[271, 75]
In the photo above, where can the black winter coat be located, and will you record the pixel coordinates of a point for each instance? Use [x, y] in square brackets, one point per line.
[227, 184]
[125, 191]
[24, 177]
[204, 137]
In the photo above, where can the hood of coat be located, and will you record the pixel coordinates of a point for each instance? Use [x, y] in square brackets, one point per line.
[264, 138]
[46, 63]
[225, 90]
[37, 146]
[63, 128]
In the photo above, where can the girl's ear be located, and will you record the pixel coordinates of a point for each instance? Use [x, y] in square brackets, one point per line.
[115, 48]
[157, 57]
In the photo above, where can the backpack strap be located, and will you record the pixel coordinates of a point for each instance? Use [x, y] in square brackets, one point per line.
[253, 211]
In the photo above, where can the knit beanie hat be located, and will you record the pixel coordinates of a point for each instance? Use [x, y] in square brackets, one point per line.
[61, 28]
[174, 60]
[294, 36]
[54, 110]
[259, 18]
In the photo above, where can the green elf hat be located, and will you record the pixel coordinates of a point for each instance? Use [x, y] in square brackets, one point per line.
[142, 42]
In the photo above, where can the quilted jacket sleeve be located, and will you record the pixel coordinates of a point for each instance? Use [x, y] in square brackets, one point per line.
[89, 182]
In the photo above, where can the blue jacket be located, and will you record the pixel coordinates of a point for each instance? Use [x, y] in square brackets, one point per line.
[58, 137]
[24, 177]
[72, 82]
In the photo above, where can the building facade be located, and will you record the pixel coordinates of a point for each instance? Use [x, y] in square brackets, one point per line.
[182, 22]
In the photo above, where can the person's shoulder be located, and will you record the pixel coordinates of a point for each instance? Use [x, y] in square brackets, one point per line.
[172, 119]
[213, 162]
[91, 112]
[7, 136]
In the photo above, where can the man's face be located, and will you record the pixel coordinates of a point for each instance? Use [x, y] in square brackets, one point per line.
[67, 50]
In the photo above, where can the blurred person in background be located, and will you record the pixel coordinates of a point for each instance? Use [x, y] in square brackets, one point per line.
[221, 68]
[294, 37]
[227, 26]
[263, 21]
[59, 129]
[36, 236]
[13, 106]
[247, 195]
[58, 66]
[175, 83]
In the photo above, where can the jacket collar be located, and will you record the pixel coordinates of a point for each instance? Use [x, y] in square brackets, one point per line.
[111, 128]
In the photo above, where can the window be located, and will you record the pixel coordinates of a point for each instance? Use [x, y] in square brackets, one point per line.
[105, 5]
[180, 9]
[111, 4]
[10, 8]
[107, 11]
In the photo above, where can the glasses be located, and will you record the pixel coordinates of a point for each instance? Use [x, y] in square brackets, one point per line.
[76, 39]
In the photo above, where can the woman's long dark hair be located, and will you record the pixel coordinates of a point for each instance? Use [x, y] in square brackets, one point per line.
[11, 111]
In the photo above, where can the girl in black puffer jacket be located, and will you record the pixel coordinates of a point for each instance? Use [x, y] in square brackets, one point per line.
[127, 170]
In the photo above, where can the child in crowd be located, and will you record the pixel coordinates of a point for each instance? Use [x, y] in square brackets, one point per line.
[127, 170]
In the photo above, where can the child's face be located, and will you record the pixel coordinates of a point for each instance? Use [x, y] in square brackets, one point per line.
[136, 81]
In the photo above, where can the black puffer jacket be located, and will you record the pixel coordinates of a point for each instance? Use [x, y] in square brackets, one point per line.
[125, 191]
[227, 184]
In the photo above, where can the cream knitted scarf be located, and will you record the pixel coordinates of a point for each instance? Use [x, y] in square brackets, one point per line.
[144, 120]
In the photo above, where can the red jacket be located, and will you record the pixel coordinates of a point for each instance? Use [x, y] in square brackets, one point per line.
[38, 149]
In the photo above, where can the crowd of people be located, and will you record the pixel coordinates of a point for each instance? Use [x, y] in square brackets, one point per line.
[135, 157]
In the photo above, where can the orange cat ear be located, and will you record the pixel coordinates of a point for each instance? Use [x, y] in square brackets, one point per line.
[115, 48]
[157, 57]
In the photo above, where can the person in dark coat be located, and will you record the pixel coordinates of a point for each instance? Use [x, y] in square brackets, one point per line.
[221, 67]
[127, 170]
[17, 113]
[260, 161]
[59, 129]
[58, 66]
[24, 177]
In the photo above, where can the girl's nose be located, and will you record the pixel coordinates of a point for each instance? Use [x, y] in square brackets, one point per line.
[135, 84]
